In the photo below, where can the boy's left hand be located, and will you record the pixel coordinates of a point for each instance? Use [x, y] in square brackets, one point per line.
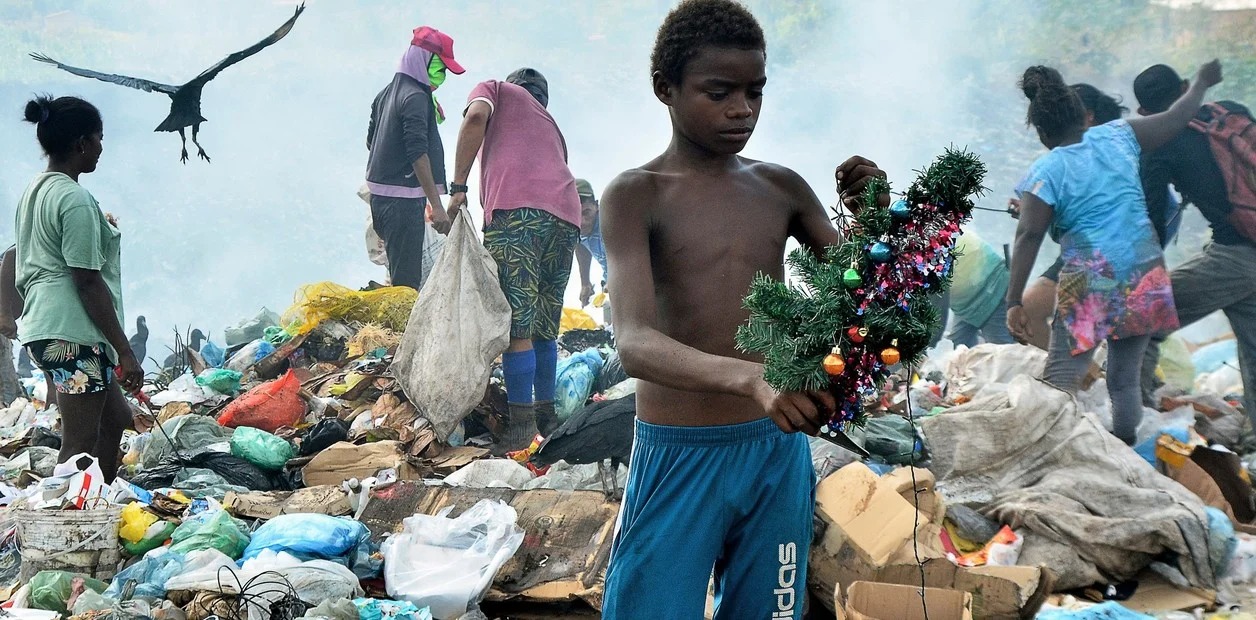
[852, 176]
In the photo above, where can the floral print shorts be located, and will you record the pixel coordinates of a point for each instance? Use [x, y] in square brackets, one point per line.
[75, 368]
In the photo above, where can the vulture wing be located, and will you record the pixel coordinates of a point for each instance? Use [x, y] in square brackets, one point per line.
[283, 30]
[122, 80]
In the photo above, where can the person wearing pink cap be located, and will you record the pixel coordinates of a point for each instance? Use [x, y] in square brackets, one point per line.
[405, 171]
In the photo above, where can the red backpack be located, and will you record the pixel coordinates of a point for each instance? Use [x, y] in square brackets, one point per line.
[1232, 135]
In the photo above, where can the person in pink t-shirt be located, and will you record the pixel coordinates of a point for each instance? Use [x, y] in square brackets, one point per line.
[531, 227]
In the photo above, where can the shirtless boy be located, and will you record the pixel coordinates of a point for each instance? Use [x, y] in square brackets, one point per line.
[721, 478]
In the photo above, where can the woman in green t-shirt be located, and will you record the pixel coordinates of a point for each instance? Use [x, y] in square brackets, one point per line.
[69, 276]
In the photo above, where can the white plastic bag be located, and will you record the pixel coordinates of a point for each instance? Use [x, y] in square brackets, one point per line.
[459, 325]
[448, 564]
[490, 473]
[375, 249]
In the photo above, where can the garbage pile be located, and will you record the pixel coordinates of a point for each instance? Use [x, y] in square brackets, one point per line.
[295, 470]
[287, 473]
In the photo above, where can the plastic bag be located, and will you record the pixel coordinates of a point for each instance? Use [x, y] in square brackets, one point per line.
[212, 529]
[220, 380]
[249, 330]
[197, 482]
[389, 306]
[447, 564]
[311, 536]
[313, 580]
[576, 376]
[135, 522]
[155, 536]
[374, 609]
[323, 435]
[891, 438]
[150, 573]
[339, 609]
[456, 330]
[213, 354]
[260, 448]
[51, 589]
[575, 318]
[182, 390]
[268, 406]
[612, 374]
[491, 473]
[190, 433]
[276, 335]
[251, 354]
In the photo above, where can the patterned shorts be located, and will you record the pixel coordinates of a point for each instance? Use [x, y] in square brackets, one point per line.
[533, 250]
[75, 368]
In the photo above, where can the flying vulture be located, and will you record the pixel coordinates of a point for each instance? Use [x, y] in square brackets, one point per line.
[185, 100]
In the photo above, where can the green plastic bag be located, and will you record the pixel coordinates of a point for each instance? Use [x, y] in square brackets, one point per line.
[212, 529]
[220, 380]
[156, 536]
[50, 589]
[260, 448]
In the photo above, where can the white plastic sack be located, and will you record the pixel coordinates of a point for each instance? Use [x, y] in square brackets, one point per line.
[970, 371]
[565, 477]
[490, 473]
[375, 249]
[448, 564]
[271, 573]
[459, 325]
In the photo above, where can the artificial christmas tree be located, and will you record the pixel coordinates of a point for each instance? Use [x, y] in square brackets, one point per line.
[864, 307]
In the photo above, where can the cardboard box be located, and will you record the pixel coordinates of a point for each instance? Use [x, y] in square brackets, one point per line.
[344, 460]
[865, 533]
[327, 499]
[566, 545]
[882, 601]
[1155, 594]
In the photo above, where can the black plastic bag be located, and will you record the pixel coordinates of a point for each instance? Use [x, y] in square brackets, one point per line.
[47, 438]
[323, 435]
[612, 374]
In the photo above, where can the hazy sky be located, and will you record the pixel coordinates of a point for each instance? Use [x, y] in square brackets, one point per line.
[212, 243]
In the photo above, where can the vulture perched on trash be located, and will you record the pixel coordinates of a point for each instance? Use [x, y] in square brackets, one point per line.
[139, 342]
[185, 99]
[195, 340]
[601, 431]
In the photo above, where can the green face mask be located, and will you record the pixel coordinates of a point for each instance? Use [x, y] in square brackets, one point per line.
[436, 72]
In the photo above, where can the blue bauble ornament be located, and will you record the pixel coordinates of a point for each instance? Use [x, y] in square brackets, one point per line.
[900, 210]
[881, 252]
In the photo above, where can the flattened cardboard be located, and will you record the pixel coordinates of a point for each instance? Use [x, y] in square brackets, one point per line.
[344, 460]
[566, 545]
[883, 601]
[1154, 594]
[455, 458]
[327, 499]
[1000, 592]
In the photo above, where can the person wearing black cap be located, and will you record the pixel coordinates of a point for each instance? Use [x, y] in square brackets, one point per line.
[531, 227]
[406, 168]
[590, 247]
[1222, 276]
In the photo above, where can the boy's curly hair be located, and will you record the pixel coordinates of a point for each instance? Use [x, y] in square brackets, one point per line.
[694, 23]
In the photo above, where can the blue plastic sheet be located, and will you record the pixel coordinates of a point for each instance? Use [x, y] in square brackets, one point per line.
[575, 378]
[318, 537]
[150, 573]
[1107, 611]
[213, 355]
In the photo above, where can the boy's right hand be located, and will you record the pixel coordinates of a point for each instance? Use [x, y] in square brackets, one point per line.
[1209, 75]
[795, 411]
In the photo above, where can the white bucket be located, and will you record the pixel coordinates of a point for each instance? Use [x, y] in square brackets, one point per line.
[84, 542]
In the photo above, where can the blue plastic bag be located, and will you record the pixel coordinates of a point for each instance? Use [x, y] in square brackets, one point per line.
[213, 355]
[1222, 542]
[150, 574]
[1216, 355]
[318, 537]
[375, 609]
[1110, 610]
[1147, 449]
[574, 383]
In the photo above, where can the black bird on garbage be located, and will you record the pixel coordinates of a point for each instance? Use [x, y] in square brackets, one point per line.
[185, 99]
[599, 432]
[139, 342]
[195, 340]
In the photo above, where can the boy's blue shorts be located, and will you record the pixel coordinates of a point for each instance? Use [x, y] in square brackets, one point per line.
[736, 501]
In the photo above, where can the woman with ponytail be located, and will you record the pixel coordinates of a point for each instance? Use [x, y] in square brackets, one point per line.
[1086, 191]
[69, 277]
